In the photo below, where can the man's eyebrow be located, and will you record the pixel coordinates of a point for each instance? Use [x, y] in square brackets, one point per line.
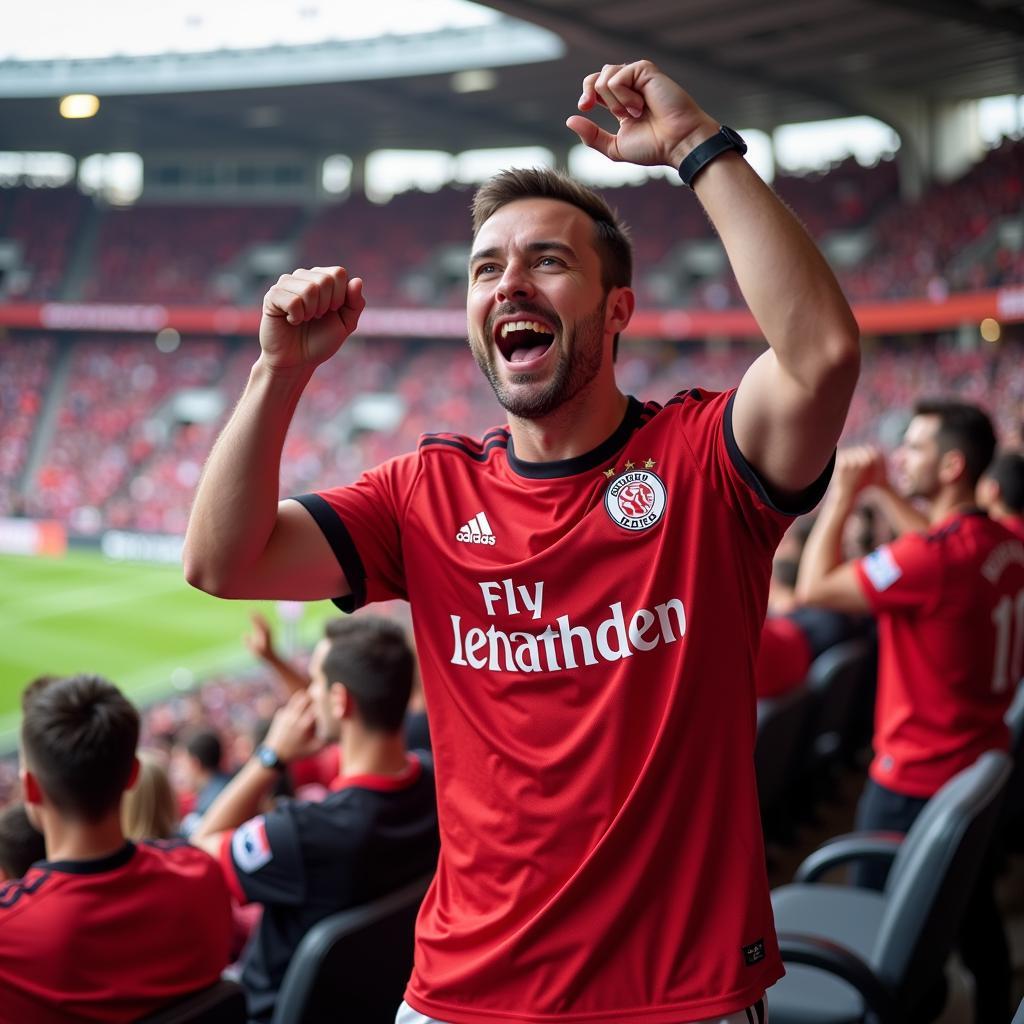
[532, 247]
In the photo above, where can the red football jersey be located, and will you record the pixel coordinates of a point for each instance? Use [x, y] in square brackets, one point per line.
[587, 632]
[950, 607]
[784, 657]
[112, 939]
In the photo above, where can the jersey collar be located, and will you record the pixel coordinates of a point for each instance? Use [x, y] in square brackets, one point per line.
[382, 783]
[580, 463]
[111, 862]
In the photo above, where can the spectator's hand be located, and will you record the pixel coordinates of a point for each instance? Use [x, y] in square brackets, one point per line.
[292, 733]
[261, 640]
[656, 117]
[856, 468]
[307, 315]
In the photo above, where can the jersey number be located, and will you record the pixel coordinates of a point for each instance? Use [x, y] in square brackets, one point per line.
[1008, 618]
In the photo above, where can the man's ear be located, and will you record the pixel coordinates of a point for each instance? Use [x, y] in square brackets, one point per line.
[342, 702]
[134, 776]
[619, 309]
[952, 466]
[30, 788]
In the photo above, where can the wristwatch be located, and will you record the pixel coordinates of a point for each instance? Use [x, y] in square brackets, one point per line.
[724, 140]
[268, 758]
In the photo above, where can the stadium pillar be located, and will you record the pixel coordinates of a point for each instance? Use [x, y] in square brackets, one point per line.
[938, 140]
[357, 184]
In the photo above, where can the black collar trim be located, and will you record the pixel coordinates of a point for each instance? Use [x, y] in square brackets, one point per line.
[580, 463]
[111, 862]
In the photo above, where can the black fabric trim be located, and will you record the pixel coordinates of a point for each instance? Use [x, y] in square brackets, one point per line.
[750, 1019]
[691, 394]
[786, 504]
[581, 463]
[92, 867]
[11, 892]
[342, 545]
[476, 456]
[461, 439]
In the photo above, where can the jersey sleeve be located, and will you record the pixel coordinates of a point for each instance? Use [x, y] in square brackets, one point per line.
[263, 860]
[363, 525]
[902, 575]
[706, 419]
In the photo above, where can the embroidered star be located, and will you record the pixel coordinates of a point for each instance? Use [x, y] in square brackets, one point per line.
[630, 464]
[649, 464]
[610, 472]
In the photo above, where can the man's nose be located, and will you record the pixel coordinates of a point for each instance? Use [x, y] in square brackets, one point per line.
[515, 282]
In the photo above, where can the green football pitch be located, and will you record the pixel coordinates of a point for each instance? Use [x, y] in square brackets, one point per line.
[140, 625]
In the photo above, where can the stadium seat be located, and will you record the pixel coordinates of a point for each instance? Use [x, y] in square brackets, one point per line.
[221, 1003]
[839, 678]
[1012, 825]
[353, 965]
[856, 955]
[1018, 1017]
[781, 724]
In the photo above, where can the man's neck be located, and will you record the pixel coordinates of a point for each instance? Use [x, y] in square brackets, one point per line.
[949, 501]
[571, 430]
[77, 840]
[364, 752]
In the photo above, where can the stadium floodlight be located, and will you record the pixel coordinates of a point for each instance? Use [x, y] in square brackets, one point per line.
[474, 80]
[990, 330]
[79, 105]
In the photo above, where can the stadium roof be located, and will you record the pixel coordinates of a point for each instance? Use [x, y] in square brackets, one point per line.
[752, 64]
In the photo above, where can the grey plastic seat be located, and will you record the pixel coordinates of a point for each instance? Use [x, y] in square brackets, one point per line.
[220, 1003]
[353, 965]
[839, 677]
[781, 727]
[1018, 1017]
[856, 956]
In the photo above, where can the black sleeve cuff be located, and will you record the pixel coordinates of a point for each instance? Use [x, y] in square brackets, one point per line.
[786, 504]
[342, 545]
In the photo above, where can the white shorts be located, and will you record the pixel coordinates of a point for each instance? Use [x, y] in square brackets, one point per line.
[756, 1014]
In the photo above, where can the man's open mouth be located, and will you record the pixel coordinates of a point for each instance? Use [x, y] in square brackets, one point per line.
[523, 341]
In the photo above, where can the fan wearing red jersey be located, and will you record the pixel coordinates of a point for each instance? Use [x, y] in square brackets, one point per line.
[588, 584]
[949, 601]
[1001, 491]
[102, 929]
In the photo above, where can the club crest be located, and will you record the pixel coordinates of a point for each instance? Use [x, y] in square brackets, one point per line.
[635, 499]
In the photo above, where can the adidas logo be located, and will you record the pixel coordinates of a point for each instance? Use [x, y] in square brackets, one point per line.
[476, 531]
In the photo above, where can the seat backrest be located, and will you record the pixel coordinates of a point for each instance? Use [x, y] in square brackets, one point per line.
[837, 677]
[1014, 804]
[220, 1003]
[1018, 1017]
[780, 730]
[354, 964]
[934, 873]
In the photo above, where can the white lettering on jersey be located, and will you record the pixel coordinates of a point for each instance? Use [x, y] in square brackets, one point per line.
[881, 568]
[564, 645]
[1000, 558]
[495, 590]
[250, 847]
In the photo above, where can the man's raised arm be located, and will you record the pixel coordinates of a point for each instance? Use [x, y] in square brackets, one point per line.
[792, 402]
[242, 542]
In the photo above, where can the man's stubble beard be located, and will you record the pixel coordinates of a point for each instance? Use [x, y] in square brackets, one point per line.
[579, 363]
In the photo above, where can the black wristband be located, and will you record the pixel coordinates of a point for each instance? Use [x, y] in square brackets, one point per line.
[723, 141]
[268, 758]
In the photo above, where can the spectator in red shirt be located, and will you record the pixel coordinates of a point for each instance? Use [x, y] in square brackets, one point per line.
[1001, 491]
[944, 598]
[103, 929]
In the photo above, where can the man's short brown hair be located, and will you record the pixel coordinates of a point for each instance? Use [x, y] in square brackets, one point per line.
[78, 737]
[611, 236]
